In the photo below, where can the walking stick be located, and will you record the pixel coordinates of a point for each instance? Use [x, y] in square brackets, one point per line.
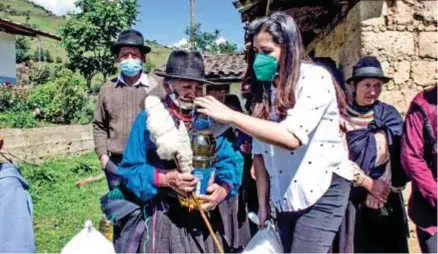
[207, 223]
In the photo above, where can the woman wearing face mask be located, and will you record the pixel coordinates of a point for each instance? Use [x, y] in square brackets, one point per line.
[375, 220]
[298, 150]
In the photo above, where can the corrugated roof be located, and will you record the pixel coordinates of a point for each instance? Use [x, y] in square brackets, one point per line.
[12, 27]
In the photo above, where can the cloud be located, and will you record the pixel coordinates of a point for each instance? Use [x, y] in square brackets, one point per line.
[182, 43]
[220, 40]
[59, 7]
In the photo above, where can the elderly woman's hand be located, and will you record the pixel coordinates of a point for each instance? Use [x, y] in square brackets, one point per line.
[378, 188]
[216, 194]
[373, 203]
[215, 109]
[182, 183]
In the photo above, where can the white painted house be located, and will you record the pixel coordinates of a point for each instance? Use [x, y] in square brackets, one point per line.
[8, 31]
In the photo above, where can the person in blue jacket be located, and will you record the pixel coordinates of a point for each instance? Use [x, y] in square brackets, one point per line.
[144, 209]
[16, 222]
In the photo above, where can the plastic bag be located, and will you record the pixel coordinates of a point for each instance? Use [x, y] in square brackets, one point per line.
[265, 240]
[89, 240]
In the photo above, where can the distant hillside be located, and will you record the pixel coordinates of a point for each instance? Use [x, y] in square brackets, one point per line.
[26, 12]
[158, 54]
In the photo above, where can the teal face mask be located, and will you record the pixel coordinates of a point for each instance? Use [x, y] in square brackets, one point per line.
[131, 67]
[265, 67]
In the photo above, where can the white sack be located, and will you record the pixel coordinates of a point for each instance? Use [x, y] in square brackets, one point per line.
[265, 240]
[89, 240]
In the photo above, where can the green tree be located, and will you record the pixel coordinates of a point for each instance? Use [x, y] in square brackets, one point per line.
[223, 48]
[88, 35]
[206, 41]
[22, 47]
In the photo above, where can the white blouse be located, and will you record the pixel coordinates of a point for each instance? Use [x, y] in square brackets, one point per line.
[300, 177]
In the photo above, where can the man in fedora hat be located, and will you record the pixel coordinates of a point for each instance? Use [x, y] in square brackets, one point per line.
[120, 101]
[145, 208]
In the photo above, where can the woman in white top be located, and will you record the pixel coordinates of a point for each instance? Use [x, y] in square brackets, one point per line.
[298, 150]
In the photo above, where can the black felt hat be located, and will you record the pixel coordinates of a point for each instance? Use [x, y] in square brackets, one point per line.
[368, 67]
[130, 38]
[187, 65]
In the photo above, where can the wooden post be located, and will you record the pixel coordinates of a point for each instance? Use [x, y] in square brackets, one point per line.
[192, 24]
[268, 4]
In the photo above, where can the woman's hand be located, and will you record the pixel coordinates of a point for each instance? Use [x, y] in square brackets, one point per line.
[373, 203]
[253, 173]
[215, 109]
[378, 188]
[263, 213]
[216, 194]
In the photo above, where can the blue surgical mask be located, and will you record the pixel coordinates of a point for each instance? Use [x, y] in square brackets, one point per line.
[131, 67]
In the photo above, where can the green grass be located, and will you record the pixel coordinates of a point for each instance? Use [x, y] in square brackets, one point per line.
[158, 54]
[60, 208]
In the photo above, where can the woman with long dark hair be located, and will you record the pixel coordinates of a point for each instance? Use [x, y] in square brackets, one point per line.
[300, 160]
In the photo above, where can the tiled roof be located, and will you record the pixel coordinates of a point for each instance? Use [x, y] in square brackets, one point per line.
[222, 67]
[225, 66]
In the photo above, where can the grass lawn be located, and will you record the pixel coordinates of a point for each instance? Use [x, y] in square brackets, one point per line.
[60, 208]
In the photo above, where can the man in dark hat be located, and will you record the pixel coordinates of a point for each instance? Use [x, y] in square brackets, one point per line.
[120, 101]
[146, 208]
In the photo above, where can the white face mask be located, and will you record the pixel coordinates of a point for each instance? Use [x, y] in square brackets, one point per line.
[181, 104]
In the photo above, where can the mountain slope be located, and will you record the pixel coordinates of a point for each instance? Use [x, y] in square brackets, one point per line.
[26, 12]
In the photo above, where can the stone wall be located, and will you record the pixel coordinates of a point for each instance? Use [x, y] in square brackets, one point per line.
[402, 34]
[342, 43]
[41, 143]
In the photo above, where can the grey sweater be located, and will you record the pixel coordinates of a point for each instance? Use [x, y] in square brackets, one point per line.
[117, 107]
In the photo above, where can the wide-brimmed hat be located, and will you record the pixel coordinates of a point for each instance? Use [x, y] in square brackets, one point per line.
[130, 38]
[187, 65]
[368, 67]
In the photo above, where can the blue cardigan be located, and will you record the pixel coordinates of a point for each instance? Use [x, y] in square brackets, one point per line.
[140, 160]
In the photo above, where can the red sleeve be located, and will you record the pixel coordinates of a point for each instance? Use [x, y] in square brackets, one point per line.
[412, 157]
[156, 178]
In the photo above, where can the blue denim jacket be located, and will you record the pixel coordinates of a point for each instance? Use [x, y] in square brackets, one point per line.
[16, 228]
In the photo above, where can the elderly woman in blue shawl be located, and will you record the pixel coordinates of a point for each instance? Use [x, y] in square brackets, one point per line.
[375, 220]
[145, 208]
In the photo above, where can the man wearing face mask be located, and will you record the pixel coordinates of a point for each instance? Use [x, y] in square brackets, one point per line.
[120, 101]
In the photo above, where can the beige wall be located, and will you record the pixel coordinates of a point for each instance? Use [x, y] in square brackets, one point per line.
[41, 143]
[402, 34]
[7, 57]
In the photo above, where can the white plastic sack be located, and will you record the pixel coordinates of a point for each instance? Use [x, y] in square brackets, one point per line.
[265, 240]
[89, 240]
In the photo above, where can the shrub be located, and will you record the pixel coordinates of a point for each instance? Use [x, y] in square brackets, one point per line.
[40, 75]
[59, 60]
[61, 100]
[20, 119]
[6, 99]
[86, 114]
[10, 101]
[42, 96]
